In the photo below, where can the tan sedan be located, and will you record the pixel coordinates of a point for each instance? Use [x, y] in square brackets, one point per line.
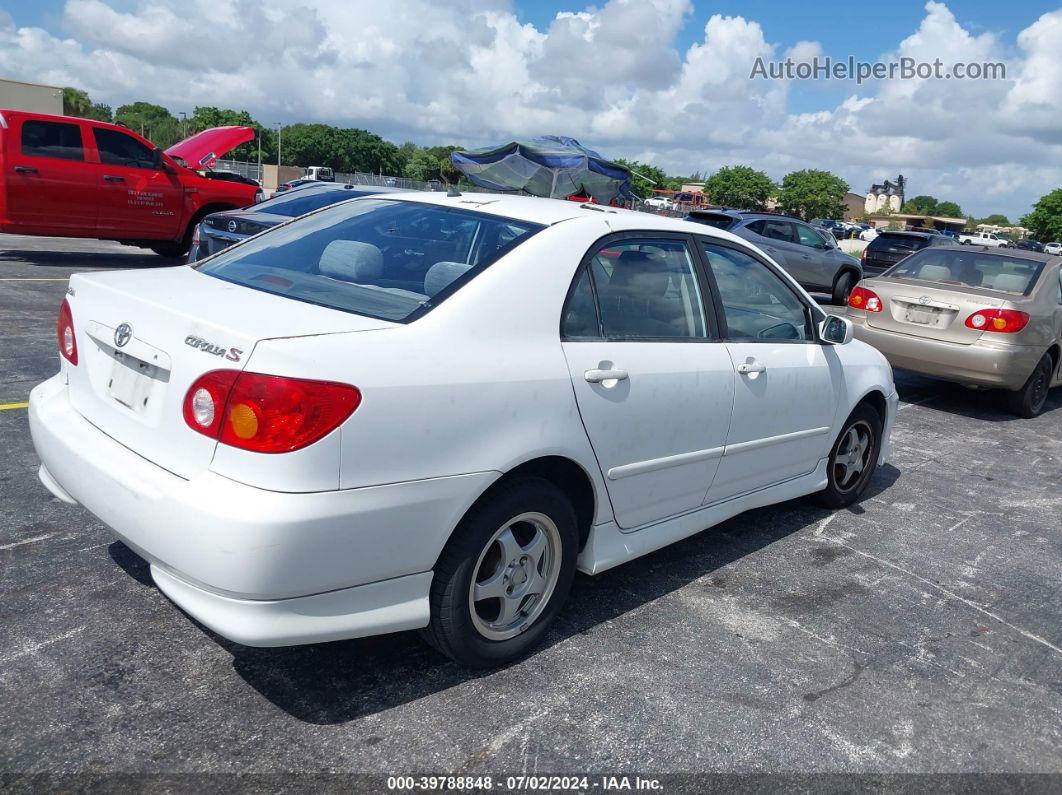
[980, 317]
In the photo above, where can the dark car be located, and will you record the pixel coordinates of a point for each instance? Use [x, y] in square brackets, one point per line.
[220, 230]
[888, 248]
[1029, 245]
[293, 183]
[809, 255]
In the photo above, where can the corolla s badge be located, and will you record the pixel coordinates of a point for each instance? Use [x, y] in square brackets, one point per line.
[232, 354]
[232, 226]
[122, 335]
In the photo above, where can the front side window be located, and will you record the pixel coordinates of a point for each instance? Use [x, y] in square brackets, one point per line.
[386, 259]
[809, 237]
[636, 289]
[52, 139]
[757, 303]
[118, 149]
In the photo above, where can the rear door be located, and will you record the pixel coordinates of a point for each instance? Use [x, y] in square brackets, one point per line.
[50, 186]
[137, 200]
[778, 238]
[819, 259]
[654, 385]
[787, 384]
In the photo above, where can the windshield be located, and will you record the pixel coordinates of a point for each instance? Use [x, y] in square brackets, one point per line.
[300, 202]
[385, 259]
[970, 269]
[891, 240]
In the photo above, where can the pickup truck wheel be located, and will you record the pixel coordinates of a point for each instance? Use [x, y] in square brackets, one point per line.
[170, 250]
[1029, 401]
[504, 574]
[842, 288]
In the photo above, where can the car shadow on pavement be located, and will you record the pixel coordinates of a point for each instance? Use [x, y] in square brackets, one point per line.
[86, 260]
[332, 683]
[988, 405]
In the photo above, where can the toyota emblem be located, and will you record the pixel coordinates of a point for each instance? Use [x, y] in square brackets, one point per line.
[232, 226]
[123, 334]
[925, 299]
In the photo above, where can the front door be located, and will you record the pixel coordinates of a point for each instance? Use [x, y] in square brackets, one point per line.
[50, 187]
[139, 201]
[786, 389]
[654, 385]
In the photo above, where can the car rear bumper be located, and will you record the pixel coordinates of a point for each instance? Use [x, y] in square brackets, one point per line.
[982, 363]
[259, 567]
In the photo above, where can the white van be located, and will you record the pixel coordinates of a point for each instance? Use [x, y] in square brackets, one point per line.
[319, 173]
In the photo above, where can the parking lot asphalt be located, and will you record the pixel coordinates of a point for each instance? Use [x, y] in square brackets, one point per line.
[919, 631]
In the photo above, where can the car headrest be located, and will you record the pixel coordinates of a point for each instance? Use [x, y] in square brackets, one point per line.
[442, 274]
[934, 273]
[351, 261]
[650, 272]
[1010, 283]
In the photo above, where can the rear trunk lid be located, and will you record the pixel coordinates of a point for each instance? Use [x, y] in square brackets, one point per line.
[145, 336]
[921, 309]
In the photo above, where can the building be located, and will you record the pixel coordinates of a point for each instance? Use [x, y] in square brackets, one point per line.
[908, 220]
[853, 206]
[886, 197]
[31, 97]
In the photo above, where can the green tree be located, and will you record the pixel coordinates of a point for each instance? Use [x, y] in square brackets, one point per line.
[77, 103]
[920, 205]
[949, 210]
[422, 166]
[740, 186]
[1045, 220]
[645, 178]
[152, 121]
[996, 219]
[813, 194]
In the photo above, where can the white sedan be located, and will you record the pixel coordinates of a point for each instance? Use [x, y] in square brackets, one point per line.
[427, 411]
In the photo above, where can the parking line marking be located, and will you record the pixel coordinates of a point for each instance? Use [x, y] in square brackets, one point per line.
[6, 406]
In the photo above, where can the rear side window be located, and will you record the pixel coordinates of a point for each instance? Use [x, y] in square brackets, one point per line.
[717, 220]
[957, 266]
[775, 230]
[886, 241]
[636, 290]
[52, 139]
[118, 149]
[385, 259]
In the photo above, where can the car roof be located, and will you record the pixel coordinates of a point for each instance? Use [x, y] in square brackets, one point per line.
[747, 214]
[909, 233]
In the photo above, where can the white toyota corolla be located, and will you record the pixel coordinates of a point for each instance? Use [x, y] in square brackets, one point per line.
[428, 411]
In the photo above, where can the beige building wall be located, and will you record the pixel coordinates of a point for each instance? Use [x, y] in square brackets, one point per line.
[31, 97]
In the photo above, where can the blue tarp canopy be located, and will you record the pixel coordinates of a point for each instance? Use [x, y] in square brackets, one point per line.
[550, 165]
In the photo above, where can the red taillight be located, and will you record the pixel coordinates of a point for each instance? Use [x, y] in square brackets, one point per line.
[267, 413]
[862, 298]
[863, 255]
[1004, 321]
[195, 235]
[65, 332]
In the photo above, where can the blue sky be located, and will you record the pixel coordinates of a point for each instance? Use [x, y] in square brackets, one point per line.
[661, 81]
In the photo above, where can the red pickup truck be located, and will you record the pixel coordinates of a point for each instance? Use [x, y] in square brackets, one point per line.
[72, 177]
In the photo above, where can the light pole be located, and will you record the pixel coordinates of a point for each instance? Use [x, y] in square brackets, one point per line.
[259, 153]
[279, 127]
[184, 118]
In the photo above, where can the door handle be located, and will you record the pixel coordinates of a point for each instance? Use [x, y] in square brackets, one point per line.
[113, 178]
[597, 376]
[751, 367]
[25, 170]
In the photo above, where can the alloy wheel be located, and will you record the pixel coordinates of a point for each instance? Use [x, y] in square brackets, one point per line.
[852, 457]
[515, 576]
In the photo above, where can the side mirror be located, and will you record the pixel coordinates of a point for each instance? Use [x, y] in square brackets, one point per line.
[836, 330]
[157, 162]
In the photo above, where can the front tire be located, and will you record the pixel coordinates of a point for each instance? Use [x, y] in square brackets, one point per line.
[504, 575]
[853, 459]
[842, 288]
[1029, 401]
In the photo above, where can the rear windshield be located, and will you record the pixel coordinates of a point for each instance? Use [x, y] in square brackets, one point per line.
[887, 240]
[296, 203]
[713, 219]
[385, 259]
[970, 269]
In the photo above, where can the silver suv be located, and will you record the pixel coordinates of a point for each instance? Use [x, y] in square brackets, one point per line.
[808, 254]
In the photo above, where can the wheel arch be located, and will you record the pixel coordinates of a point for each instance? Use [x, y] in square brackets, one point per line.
[875, 398]
[1055, 352]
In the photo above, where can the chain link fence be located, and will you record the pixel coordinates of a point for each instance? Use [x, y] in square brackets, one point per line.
[251, 170]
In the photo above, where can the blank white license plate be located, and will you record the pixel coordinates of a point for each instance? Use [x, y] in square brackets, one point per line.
[131, 381]
[922, 316]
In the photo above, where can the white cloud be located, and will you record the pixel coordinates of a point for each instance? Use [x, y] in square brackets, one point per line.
[469, 71]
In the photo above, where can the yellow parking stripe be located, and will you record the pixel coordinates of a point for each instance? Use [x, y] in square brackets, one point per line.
[5, 406]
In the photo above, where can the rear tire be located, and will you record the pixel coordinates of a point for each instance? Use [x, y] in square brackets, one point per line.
[1029, 401]
[504, 574]
[842, 288]
[853, 459]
